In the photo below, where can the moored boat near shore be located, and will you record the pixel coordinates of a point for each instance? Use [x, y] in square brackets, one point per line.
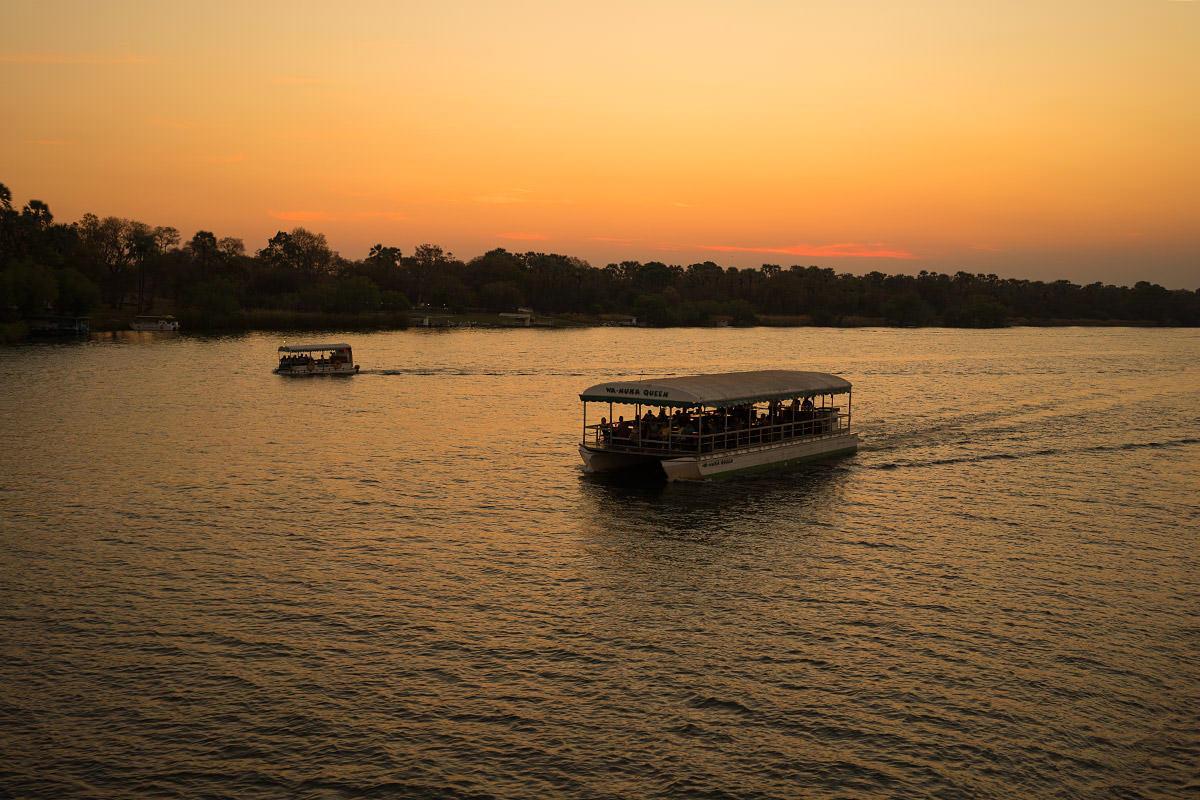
[154, 322]
[711, 426]
[301, 360]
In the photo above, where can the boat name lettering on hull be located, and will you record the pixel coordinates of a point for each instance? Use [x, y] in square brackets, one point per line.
[717, 463]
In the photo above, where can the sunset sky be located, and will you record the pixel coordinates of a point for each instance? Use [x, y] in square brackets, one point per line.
[1040, 139]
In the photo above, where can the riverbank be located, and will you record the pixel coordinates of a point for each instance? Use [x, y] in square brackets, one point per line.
[110, 320]
[274, 320]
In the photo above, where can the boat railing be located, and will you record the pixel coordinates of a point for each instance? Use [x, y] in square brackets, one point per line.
[820, 423]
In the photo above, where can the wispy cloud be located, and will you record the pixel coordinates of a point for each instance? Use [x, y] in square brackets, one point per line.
[613, 240]
[48, 142]
[523, 236]
[74, 58]
[840, 250]
[990, 248]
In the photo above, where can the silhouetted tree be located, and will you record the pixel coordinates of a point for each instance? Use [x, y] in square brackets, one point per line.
[77, 296]
[30, 287]
[303, 251]
[43, 262]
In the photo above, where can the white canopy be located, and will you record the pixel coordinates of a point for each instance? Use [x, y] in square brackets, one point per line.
[717, 390]
[310, 348]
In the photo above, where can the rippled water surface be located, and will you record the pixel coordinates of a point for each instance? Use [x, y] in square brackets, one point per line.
[216, 582]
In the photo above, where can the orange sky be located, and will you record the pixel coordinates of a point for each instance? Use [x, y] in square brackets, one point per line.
[1049, 139]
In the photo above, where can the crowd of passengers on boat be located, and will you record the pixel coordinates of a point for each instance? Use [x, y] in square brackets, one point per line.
[718, 428]
[296, 361]
[305, 359]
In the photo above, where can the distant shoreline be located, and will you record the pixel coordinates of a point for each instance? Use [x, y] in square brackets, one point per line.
[112, 321]
[270, 321]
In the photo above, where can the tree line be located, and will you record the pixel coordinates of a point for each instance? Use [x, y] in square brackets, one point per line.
[74, 269]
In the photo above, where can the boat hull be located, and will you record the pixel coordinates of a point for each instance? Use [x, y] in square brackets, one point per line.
[608, 461]
[310, 370]
[723, 464]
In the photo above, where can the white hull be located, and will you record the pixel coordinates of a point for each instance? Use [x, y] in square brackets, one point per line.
[725, 463]
[719, 465]
[302, 371]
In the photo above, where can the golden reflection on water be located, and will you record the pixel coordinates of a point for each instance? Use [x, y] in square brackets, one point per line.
[402, 580]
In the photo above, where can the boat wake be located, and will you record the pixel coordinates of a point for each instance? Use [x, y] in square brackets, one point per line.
[1041, 453]
[459, 372]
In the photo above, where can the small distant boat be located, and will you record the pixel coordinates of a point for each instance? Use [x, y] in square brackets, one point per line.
[713, 426]
[60, 326]
[315, 359]
[154, 322]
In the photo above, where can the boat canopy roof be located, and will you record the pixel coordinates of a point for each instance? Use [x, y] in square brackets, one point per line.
[719, 389]
[311, 348]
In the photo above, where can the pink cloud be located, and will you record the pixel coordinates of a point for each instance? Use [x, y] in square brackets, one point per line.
[841, 250]
[523, 236]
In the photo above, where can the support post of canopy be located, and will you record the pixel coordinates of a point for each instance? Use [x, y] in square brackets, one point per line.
[637, 416]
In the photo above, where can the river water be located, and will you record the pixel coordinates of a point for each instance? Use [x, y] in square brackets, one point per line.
[217, 582]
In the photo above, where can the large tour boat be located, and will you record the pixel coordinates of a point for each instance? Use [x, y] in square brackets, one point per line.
[709, 426]
[315, 359]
